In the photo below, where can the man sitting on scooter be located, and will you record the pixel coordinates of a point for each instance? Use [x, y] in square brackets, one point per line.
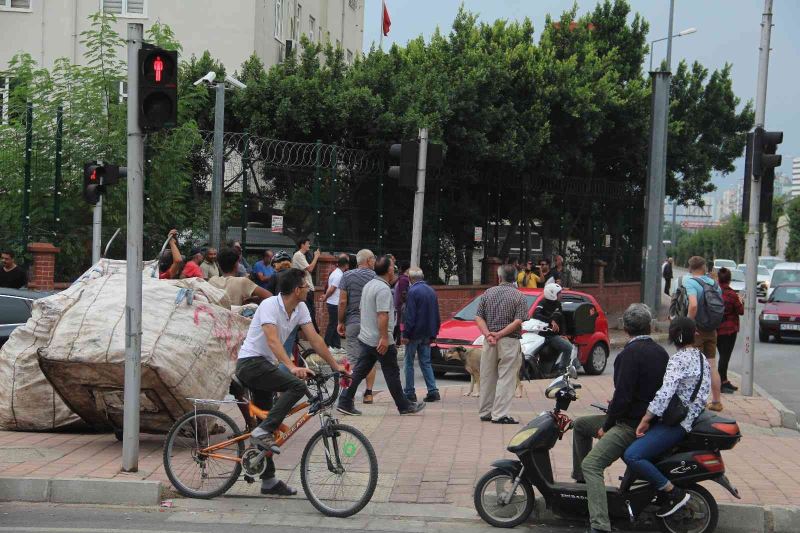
[638, 372]
[549, 311]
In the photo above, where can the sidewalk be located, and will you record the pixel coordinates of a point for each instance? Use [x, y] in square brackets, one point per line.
[435, 457]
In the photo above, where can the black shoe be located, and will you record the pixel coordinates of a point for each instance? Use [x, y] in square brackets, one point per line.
[411, 397]
[487, 418]
[728, 388]
[672, 501]
[279, 489]
[432, 397]
[506, 420]
[415, 408]
[348, 409]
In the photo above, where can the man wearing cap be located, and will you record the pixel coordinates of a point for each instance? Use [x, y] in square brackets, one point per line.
[192, 268]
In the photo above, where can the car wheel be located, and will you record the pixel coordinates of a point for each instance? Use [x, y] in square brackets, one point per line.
[598, 357]
[439, 374]
[763, 336]
[778, 338]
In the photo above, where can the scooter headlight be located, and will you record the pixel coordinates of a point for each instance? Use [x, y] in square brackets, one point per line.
[521, 437]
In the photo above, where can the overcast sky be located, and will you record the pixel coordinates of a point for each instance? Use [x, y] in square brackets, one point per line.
[727, 31]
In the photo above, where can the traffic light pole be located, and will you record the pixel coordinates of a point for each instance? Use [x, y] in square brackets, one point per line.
[97, 227]
[133, 274]
[419, 198]
[219, 167]
[752, 245]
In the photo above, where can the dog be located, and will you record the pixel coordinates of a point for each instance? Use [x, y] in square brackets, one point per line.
[471, 357]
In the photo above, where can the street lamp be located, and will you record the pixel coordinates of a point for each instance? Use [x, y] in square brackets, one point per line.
[687, 31]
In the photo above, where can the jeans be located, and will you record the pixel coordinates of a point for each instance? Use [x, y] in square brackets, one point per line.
[564, 347]
[607, 450]
[656, 441]
[312, 309]
[391, 373]
[332, 338]
[423, 350]
[725, 344]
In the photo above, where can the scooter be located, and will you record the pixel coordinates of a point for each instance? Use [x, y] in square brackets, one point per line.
[541, 360]
[504, 496]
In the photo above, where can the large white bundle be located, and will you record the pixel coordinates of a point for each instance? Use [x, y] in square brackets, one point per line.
[78, 335]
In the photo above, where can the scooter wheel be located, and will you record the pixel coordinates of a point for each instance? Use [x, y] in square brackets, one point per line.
[493, 486]
[699, 515]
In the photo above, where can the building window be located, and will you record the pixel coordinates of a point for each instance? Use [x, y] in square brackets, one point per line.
[349, 57]
[22, 5]
[278, 19]
[124, 8]
[298, 17]
[312, 26]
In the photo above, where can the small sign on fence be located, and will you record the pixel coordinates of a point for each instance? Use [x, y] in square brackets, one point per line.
[478, 233]
[277, 223]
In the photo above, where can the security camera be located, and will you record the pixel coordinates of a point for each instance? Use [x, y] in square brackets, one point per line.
[233, 81]
[208, 78]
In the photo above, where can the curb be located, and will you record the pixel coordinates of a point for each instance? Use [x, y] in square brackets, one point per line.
[81, 490]
[789, 418]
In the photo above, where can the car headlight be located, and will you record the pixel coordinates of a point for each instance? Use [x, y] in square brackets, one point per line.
[766, 284]
[769, 316]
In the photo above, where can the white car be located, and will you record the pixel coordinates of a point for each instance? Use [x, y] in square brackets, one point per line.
[762, 278]
[726, 263]
[738, 281]
[783, 273]
[769, 261]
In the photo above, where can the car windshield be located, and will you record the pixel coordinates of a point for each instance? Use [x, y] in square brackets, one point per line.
[468, 312]
[737, 275]
[763, 271]
[769, 262]
[719, 263]
[786, 295]
[784, 276]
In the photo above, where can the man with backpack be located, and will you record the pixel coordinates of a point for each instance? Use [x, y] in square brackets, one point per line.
[706, 307]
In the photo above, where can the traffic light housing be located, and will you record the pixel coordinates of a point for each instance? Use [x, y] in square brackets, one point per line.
[765, 144]
[760, 163]
[407, 155]
[158, 88]
[97, 176]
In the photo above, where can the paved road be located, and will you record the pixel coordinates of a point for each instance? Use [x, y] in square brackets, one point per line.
[249, 515]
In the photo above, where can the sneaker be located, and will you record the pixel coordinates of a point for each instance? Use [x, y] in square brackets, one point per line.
[672, 501]
[368, 397]
[348, 409]
[728, 388]
[411, 397]
[432, 397]
[414, 409]
[279, 489]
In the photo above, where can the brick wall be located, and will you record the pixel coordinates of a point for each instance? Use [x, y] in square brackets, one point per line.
[44, 265]
[613, 297]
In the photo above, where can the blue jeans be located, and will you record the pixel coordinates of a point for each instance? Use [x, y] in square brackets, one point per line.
[656, 441]
[423, 351]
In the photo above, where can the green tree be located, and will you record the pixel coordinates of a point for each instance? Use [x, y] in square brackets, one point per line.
[793, 247]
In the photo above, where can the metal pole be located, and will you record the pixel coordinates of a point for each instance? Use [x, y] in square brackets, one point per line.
[219, 168]
[669, 35]
[419, 198]
[656, 181]
[333, 199]
[133, 274]
[674, 236]
[316, 191]
[380, 213]
[97, 229]
[651, 56]
[57, 180]
[26, 188]
[245, 166]
[752, 244]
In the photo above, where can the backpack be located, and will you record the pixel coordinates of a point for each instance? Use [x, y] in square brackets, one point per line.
[679, 304]
[712, 308]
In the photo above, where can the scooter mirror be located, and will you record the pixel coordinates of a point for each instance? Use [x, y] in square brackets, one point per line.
[573, 372]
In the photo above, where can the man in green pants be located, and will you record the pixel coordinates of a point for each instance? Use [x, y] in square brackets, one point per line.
[638, 371]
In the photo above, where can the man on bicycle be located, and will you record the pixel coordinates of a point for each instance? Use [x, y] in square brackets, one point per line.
[261, 353]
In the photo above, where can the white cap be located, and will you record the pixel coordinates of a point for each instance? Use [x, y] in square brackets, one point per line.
[551, 291]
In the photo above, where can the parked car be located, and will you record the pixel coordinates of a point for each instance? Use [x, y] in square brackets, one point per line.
[461, 330]
[783, 273]
[781, 315]
[738, 281]
[15, 309]
[727, 263]
[769, 261]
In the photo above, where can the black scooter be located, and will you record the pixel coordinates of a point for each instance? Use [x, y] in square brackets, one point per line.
[504, 496]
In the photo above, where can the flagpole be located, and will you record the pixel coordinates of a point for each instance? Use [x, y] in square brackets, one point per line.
[383, 8]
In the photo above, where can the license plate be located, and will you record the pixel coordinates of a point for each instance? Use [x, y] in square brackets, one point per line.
[790, 327]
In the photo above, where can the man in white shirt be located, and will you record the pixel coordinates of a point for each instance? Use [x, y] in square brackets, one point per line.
[262, 351]
[299, 261]
[332, 338]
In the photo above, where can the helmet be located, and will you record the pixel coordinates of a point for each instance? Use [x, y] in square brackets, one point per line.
[551, 291]
[281, 256]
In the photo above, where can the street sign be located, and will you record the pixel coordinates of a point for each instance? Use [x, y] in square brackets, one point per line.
[277, 223]
[478, 233]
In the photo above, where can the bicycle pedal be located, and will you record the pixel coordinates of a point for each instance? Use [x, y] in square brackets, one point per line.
[249, 479]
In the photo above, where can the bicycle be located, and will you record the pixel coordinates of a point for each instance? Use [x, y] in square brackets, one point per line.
[338, 467]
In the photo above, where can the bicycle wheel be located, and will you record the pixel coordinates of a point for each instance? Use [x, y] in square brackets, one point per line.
[194, 474]
[339, 470]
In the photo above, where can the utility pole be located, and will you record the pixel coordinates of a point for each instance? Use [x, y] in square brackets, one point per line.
[419, 198]
[133, 273]
[652, 251]
[674, 236]
[752, 244]
[217, 184]
[97, 227]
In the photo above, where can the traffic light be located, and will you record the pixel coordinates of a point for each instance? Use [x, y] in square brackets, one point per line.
[97, 176]
[765, 144]
[158, 88]
[407, 155]
[760, 163]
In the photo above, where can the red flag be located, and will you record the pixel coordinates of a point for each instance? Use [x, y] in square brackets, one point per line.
[387, 22]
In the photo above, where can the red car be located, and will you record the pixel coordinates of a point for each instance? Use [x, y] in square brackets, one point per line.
[781, 315]
[593, 343]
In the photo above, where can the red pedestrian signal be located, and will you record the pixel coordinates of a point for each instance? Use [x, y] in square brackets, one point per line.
[158, 88]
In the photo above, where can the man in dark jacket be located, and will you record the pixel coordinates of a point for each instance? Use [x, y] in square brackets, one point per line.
[549, 311]
[666, 272]
[420, 325]
[638, 372]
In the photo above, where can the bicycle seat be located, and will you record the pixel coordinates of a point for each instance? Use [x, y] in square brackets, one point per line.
[239, 390]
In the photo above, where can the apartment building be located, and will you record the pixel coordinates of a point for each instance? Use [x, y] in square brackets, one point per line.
[231, 30]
